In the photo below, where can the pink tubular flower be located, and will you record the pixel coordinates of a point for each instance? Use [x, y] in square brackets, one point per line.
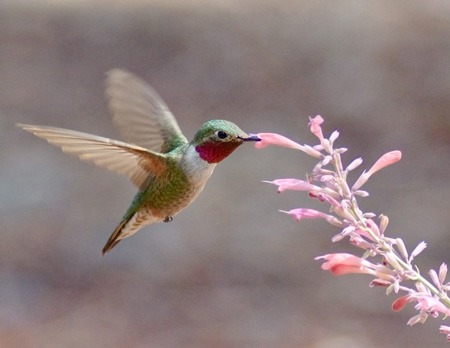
[315, 127]
[339, 264]
[384, 258]
[372, 227]
[304, 213]
[343, 263]
[400, 303]
[276, 139]
[384, 161]
[425, 303]
[446, 331]
[293, 184]
[323, 197]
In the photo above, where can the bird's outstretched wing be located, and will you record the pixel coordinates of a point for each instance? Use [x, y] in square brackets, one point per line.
[140, 114]
[136, 162]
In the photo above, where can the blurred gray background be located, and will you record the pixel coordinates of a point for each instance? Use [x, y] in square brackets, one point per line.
[230, 271]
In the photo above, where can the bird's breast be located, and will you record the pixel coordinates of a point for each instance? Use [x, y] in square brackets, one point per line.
[197, 170]
[177, 187]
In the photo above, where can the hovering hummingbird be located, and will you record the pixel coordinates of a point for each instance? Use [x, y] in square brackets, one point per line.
[169, 171]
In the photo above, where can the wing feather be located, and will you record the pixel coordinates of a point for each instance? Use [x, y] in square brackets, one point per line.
[133, 161]
[140, 114]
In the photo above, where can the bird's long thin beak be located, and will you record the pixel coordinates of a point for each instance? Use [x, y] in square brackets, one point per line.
[252, 137]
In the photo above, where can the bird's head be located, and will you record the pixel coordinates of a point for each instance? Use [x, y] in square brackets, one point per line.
[217, 139]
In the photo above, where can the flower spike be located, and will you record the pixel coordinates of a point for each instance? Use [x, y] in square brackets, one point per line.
[384, 258]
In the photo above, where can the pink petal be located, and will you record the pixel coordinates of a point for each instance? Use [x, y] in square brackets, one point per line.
[400, 303]
[442, 273]
[339, 264]
[305, 213]
[323, 197]
[361, 181]
[444, 329]
[385, 160]
[419, 318]
[354, 164]
[427, 303]
[418, 249]
[276, 139]
[292, 184]
[340, 258]
[432, 304]
[434, 277]
[345, 269]
[334, 136]
[315, 127]
[380, 282]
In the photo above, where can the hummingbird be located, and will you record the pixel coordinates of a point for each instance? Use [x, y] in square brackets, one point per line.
[168, 170]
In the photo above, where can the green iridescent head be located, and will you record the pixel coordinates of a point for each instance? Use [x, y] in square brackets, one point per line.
[219, 130]
[216, 139]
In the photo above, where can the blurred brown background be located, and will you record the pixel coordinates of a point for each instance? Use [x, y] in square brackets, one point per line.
[231, 271]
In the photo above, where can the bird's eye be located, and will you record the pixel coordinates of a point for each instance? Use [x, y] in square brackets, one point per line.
[221, 134]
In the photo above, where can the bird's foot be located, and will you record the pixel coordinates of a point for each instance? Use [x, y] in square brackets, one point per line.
[168, 219]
